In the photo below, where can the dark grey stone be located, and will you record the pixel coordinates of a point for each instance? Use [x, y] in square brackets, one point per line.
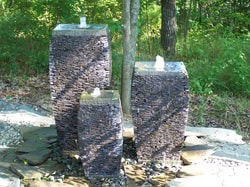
[159, 110]
[80, 60]
[100, 134]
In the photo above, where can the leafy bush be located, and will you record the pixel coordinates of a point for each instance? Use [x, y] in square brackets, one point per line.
[217, 63]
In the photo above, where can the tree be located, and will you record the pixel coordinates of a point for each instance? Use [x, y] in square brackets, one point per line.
[169, 27]
[130, 14]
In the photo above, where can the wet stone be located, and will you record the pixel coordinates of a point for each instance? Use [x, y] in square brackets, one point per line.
[159, 110]
[79, 60]
[100, 134]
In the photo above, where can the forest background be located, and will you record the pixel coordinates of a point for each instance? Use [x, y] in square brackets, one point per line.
[213, 37]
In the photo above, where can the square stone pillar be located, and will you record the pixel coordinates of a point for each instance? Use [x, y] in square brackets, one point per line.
[100, 134]
[79, 60]
[159, 110]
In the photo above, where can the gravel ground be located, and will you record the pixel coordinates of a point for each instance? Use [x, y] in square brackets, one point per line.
[9, 135]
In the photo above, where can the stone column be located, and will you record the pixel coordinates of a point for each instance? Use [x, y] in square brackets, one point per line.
[100, 134]
[159, 110]
[80, 60]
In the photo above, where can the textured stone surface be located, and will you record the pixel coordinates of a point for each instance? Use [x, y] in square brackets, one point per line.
[9, 135]
[159, 110]
[80, 60]
[100, 134]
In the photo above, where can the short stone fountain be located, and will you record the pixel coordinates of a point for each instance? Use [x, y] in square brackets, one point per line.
[100, 133]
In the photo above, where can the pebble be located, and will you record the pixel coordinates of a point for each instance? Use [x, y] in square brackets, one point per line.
[59, 180]
[51, 178]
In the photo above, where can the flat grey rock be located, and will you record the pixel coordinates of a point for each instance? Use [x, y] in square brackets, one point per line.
[196, 153]
[33, 172]
[215, 134]
[194, 140]
[32, 145]
[26, 172]
[237, 152]
[39, 133]
[194, 170]
[7, 156]
[24, 117]
[36, 157]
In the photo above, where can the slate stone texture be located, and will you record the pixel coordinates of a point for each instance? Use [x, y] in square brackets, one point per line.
[100, 134]
[79, 60]
[160, 101]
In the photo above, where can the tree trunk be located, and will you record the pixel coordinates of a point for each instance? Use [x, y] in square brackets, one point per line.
[186, 27]
[130, 16]
[169, 27]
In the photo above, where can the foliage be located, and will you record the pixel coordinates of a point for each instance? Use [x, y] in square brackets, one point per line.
[213, 37]
[26, 26]
[217, 64]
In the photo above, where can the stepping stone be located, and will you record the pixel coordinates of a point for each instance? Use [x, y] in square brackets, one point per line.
[39, 133]
[34, 172]
[23, 117]
[32, 145]
[193, 140]
[215, 134]
[36, 157]
[7, 156]
[26, 172]
[194, 170]
[197, 153]
[237, 152]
